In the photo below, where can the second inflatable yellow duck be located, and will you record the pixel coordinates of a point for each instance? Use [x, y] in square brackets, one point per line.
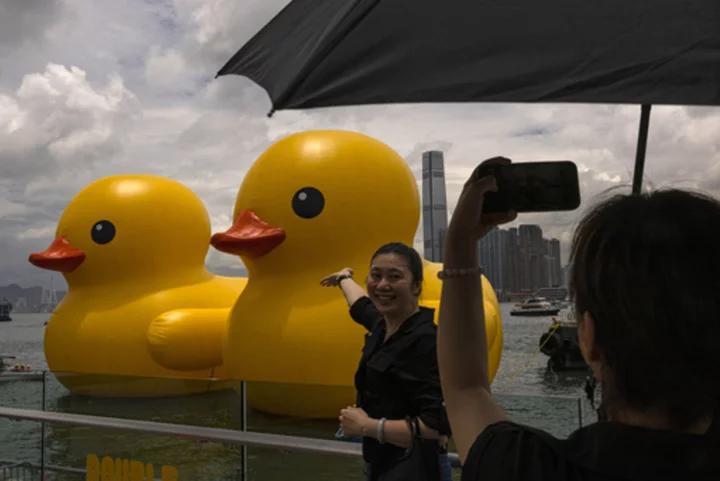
[312, 203]
[141, 306]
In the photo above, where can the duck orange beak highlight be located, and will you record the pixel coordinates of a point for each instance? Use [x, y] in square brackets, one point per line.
[249, 236]
[60, 256]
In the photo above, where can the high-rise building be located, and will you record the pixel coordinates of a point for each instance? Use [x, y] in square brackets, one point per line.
[435, 215]
[521, 260]
[566, 271]
[533, 253]
[546, 275]
[490, 253]
[556, 264]
[510, 260]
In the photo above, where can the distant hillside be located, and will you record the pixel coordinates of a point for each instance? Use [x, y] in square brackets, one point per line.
[32, 295]
[229, 271]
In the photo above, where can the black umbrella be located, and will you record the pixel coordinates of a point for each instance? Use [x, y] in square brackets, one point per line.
[320, 53]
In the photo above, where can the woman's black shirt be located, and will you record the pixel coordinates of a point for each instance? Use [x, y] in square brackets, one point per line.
[398, 377]
[603, 451]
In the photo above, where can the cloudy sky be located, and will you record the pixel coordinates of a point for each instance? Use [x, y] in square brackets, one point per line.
[93, 88]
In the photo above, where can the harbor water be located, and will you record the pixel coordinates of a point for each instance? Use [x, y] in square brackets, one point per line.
[528, 392]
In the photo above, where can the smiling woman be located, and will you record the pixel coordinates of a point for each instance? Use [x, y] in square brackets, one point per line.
[397, 380]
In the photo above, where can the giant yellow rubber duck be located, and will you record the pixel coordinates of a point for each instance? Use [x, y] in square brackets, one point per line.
[142, 316]
[312, 203]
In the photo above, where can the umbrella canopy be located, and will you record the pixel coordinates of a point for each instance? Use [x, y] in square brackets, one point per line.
[319, 53]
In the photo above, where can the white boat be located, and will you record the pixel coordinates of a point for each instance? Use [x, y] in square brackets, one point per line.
[535, 306]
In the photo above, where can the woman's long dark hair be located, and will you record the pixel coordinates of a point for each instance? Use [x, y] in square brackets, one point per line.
[647, 270]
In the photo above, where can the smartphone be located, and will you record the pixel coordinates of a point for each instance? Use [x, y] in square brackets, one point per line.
[533, 187]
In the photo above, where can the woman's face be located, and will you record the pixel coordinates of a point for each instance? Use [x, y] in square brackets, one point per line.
[390, 284]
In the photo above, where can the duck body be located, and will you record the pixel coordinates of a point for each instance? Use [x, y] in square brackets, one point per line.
[100, 345]
[311, 204]
[143, 317]
[430, 297]
[306, 364]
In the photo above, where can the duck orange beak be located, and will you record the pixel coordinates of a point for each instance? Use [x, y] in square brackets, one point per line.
[249, 236]
[60, 256]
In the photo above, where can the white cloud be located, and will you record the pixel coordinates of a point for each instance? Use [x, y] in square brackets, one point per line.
[97, 88]
[57, 120]
[37, 233]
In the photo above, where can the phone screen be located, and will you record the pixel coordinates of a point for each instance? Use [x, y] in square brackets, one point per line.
[533, 187]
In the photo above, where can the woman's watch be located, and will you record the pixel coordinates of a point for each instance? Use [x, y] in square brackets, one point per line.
[343, 277]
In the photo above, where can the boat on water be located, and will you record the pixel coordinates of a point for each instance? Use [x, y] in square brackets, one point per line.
[6, 308]
[17, 372]
[535, 306]
[560, 344]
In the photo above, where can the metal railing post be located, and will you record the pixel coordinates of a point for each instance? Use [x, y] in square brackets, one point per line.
[580, 415]
[243, 426]
[42, 429]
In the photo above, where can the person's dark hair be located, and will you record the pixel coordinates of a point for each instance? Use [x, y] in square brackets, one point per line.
[410, 255]
[647, 270]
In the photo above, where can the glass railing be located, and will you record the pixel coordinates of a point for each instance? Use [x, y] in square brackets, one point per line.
[21, 440]
[268, 408]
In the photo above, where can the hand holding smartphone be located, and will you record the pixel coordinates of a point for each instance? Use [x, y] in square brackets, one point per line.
[532, 187]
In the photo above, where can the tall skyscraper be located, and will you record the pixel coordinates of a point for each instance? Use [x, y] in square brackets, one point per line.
[557, 272]
[511, 260]
[531, 247]
[490, 254]
[435, 215]
[566, 270]
[520, 259]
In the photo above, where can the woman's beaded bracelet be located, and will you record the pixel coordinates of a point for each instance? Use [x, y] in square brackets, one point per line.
[465, 271]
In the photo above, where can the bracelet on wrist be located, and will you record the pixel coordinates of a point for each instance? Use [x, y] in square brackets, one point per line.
[465, 271]
[381, 431]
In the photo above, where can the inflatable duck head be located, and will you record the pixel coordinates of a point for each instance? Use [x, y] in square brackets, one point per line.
[317, 201]
[128, 228]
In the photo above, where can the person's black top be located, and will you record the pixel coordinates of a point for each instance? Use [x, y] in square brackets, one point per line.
[603, 451]
[398, 377]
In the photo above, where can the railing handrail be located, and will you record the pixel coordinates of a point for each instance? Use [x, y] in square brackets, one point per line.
[200, 433]
[13, 463]
[45, 372]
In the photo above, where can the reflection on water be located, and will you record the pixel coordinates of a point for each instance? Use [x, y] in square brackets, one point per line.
[520, 372]
[561, 382]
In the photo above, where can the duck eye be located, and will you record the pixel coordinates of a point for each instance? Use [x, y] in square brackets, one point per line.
[308, 202]
[102, 232]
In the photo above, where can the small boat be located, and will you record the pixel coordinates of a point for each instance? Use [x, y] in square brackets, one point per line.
[17, 373]
[535, 306]
[560, 344]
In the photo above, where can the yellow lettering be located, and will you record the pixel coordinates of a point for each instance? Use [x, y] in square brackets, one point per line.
[108, 469]
[169, 473]
[137, 471]
[119, 469]
[126, 471]
[92, 468]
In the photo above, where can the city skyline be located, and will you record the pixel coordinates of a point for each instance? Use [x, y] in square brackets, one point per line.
[520, 259]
